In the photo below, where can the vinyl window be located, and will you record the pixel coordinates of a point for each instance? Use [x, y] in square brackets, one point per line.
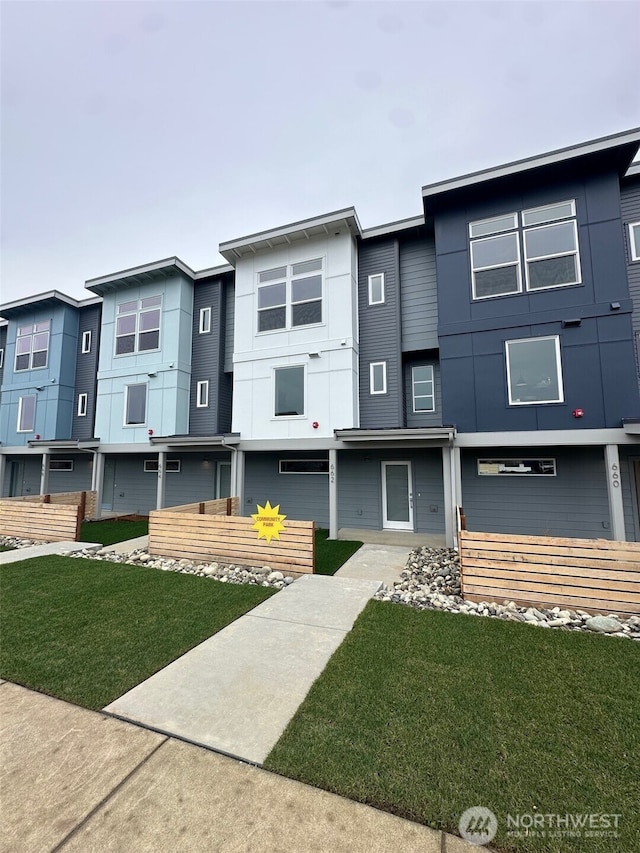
[517, 467]
[205, 321]
[26, 414]
[202, 394]
[303, 466]
[86, 341]
[534, 371]
[135, 405]
[376, 289]
[290, 296]
[61, 465]
[32, 346]
[82, 405]
[171, 466]
[289, 391]
[378, 377]
[1, 358]
[634, 240]
[138, 325]
[422, 388]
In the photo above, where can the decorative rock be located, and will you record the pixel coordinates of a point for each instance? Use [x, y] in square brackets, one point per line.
[603, 624]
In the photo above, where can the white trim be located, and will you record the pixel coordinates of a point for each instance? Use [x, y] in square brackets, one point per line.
[413, 389]
[516, 264]
[635, 256]
[304, 391]
[145, 385]
[572, 215]
[82, 405]
[54, 461]
[204, 326]
[513, 473]
[575, 253]
[397, 525]
[287, 279]
[556, 339]
[1, 357]
[202, 394]
[86, 341]
[373, 301]
[171, 466]
[495, 231]
[137, 313]
[372, 384]
[315, 461]
[33, 426]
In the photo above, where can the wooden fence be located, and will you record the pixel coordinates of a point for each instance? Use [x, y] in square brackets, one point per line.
[221, 506]
[594, 575]
[206, 537]
[42, 522]
[86, 499]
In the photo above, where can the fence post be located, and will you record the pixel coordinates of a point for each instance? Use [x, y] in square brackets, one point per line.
[201, 508]
[79, 519]
[228, 506]
[83, 505]
[46, 499]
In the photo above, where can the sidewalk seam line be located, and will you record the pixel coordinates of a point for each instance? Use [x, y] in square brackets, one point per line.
[106, 798]
[295, 622]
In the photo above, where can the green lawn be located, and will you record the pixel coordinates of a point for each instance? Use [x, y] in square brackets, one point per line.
[425, 714]
[87, 631]
[108, 532]
[6, 548]
[332, 553]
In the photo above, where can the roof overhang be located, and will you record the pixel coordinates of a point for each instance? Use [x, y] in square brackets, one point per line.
[631, 426]
[213, 271]
[47, 299]
[227, 440]
[428, 435]
[319, 226]
[393, 227]
[143, 274]
[63, 444]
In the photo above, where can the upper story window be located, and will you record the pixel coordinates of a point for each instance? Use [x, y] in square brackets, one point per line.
[32, 346]
[82, 405]
[202, 394]
[378, 377]
[634, 240]
[1, 358]
[27, 414]
[544, 239]
[135, 404]
[376, 289]
[534, 371]
[86, 341]
[290, 296]
[422, 388]
[289, 391]
[138, 325]
[204, 326]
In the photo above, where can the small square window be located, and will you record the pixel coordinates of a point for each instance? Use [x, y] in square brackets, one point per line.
[634, 240]
[86, 341]
[378, 377]
[82, 405]
[289, 391]
[534, 371]
[205, 321]
[202, 394]
[135, 405]
[376, 289]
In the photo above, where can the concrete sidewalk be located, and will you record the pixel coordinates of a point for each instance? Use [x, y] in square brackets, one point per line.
[382, 563]
[44, 550]
[237, 691]
[76, 780]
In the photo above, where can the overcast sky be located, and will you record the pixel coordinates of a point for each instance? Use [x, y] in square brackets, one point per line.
[133, 131]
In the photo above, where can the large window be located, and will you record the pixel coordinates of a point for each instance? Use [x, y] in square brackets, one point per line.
[26, 414]
[290, 296]
[634, 240]
[289, 391]
[534, 371]
[135, 405]
[378, 377]
[422, 389]
[549, 238]
[138, 325]
[32, 346]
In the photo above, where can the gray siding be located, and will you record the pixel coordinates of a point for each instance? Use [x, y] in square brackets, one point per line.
[86, 372]
[629, 461]
[207, 361]
[3, 347]
[27, 475]
[303, 497]
[380, 335]
[72, 481]
[422, 419]
[574, 503]
[230, 311]
[630, 208]
[419, 298]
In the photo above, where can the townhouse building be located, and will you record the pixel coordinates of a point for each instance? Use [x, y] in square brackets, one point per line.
[483, 354]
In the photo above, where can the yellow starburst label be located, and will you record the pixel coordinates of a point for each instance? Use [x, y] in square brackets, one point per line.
[268, 521]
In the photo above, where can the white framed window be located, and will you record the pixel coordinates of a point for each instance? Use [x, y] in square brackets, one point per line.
[378, 377]
[303, 466]
[61, 465]
[289, 391]
[32, 346]
[204, 326]
[86, 341]
[171, 466]
[1, 358]
[517, 467]
[534, 371]
[376, 289]
[138, 325]
[135, 404]
[82, 405]
[290, 296]
[202, 394]
[495, 257]
[26, 413]
[634, 240]
[422, 388]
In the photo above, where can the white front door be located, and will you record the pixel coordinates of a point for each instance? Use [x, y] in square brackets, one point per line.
[397, 496]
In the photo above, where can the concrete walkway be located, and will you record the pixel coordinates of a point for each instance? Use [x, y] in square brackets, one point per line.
[382, 563]
[44, 550]
[237, 691]
[76, 780]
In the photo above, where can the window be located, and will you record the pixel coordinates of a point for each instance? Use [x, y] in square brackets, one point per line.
[304, 466]
[1, 358]
[61, 464]
[202, 394]
[517, 467]
[534, 371]
[205, 321]
[378, 377]
[289, 391]
[376, 289]
[550, 249]
[171, 466]
[32, 346]
[82, 405]
[86, 341]
[634, 240]
[135, 405]
[422, 388]
[138, 325]
[26, 414]
[290, 296]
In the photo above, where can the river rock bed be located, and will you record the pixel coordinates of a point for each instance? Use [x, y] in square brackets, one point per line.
[431, 581]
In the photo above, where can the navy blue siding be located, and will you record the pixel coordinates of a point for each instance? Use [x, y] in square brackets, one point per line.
[86, 372]
[422, 419]
[3, 347]
[207, 362]
[630, 207]
[380, 335]
[418, 294]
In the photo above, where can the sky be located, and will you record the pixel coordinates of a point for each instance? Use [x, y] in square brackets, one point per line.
[135, 131]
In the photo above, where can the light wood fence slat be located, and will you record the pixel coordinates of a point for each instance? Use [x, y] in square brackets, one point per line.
[594, 575]
[65, 498]
[42, 522]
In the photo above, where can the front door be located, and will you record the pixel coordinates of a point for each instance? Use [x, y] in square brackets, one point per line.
[108, 483]
[223, 484]
[397, 496]
[16, 479]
